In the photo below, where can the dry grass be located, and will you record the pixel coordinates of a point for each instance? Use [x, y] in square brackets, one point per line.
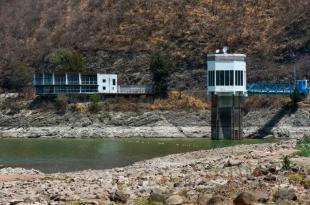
[266, 101]
[179, 100]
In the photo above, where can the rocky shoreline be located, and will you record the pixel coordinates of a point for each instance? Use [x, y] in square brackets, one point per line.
[233, 175]
[178, 124]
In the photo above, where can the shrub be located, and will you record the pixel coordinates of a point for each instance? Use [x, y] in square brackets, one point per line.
[296, 178]
[286, 163]
[67, 60]
[61, 103]
[94, 103]
[295, 97]
[303, 147]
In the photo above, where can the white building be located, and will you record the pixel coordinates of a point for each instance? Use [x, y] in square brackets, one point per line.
[75, 83]
[107, 83]
[227, 74]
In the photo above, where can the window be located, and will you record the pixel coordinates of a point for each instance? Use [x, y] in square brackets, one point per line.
[89, 89]
[38, 80]
[60, 79]
[60, 89]
[48, 79]
[89, 79]
[226, 77]
[239, 78]
[73, 79]
[211, 78]
[220, 78]
[73, 89]
[217, 77]
[104, 88]
[104, 80]
[114, 81]
[231, 77]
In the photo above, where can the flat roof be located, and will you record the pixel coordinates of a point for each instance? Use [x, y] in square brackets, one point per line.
[226, 57]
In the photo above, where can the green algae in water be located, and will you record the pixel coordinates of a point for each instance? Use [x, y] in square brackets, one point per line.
[63, 155]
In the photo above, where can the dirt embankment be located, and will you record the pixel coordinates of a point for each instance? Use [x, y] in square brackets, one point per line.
[262, 122]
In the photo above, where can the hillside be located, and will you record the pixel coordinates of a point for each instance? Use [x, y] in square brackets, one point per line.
[120, 36]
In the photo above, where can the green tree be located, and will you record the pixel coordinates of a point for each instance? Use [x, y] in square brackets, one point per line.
[160, 67]
[67, 60]
[16, 76]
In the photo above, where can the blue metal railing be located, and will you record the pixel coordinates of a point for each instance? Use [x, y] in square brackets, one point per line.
[275, 88]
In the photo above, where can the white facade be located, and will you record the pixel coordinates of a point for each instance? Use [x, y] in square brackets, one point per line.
[107, 83]
[226, 74]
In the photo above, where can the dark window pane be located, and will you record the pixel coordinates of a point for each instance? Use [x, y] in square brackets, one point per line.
[241, 77]
[226, 77]
[217, 77]
[73, 79]
[231, 77]
[60, 79]
[222, 77]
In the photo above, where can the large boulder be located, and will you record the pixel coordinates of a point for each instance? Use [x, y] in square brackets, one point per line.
[174, 200]
[285, 194]
[119, 196]
[245, 198]
[217, 200]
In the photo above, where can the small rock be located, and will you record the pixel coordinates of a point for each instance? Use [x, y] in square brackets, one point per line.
[245, 198]
[250, 177]
[260, 171]
[272, 169]
[203, 198]
[174, 200]
[270, 178]
[119, 196]
[232, 163]
[285, 195]
[217, 200]
[295, 169]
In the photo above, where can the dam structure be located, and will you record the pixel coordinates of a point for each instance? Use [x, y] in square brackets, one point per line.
[227, 87]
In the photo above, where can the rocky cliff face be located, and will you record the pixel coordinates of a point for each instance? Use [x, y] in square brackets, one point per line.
[120, 36]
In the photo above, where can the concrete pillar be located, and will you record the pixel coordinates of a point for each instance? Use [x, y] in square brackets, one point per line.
[66, 79]
[226, 117]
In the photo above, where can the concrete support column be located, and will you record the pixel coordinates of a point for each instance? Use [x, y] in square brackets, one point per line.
[226, 117]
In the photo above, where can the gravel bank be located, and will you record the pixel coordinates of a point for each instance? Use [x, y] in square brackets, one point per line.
[189, 178]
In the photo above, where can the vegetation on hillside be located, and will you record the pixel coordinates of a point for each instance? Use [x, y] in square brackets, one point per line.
[274, 34]
[66, 60]
[160, 67]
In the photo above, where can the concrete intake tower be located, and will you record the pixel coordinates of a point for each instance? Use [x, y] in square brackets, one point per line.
[227, 86]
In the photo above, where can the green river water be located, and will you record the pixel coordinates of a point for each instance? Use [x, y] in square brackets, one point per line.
[63, 155]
